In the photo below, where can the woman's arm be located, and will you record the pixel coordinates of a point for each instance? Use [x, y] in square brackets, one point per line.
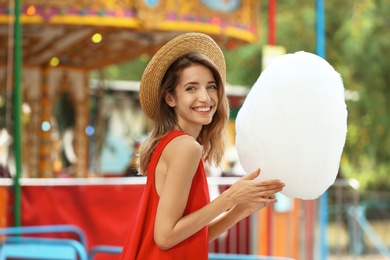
[179, 162]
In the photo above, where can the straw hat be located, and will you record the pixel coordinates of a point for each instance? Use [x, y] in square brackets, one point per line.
[162, 60]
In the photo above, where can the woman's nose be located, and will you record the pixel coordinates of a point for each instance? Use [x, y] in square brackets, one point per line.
[204, 95]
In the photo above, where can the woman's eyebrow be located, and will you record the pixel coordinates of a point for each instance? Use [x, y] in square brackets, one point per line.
[197, 83]
[191, 83]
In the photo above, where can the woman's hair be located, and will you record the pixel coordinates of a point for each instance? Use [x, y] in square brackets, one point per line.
[212, 136]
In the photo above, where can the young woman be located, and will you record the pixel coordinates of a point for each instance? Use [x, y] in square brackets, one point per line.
[182, 90]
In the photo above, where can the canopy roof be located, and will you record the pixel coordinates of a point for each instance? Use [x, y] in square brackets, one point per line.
[91, 34]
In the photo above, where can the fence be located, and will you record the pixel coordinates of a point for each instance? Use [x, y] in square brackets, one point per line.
[358, 221]
[287, 229]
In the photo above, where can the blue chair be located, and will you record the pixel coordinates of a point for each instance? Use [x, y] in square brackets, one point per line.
[46, 229]
[104, 249]
[220, 256]
[15, 244]
[212, 256]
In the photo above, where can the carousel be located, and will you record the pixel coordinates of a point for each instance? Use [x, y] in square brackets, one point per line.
[63, 41]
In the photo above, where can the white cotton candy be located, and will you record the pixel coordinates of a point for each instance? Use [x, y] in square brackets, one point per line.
[293, 125]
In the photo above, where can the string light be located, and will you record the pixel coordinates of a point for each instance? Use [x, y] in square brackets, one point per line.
[216, 20]
[96, 38]
[31, 10]
[46, 126]
[119, 13]
[89, 130]
[54, 61]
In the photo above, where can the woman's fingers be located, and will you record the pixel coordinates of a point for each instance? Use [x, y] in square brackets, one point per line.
[250, 176]
[270, 193]
[251, 190]
[269, 188]
[268, 182]
[264, 195]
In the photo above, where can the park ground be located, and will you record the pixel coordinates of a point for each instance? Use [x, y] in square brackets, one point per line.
[339, 242]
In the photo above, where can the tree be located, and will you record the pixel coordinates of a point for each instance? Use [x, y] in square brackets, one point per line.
[358, 46]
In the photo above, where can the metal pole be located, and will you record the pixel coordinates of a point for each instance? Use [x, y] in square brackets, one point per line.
[272, 22]
[271, 41]
[320, 7]
[17, 105]
[320, 14]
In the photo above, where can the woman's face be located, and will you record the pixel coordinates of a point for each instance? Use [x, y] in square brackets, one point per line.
[195, 98]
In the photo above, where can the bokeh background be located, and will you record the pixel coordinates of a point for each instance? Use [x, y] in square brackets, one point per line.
[69, 110]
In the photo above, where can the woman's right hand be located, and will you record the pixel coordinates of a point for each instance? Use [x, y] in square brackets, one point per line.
[252, 193]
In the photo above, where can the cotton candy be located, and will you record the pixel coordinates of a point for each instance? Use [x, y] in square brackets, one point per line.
[293, 125]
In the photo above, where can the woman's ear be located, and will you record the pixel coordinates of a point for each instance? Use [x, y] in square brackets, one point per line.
[170, 100]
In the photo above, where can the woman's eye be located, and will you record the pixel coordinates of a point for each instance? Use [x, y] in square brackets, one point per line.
[190, 88]
[212, 87]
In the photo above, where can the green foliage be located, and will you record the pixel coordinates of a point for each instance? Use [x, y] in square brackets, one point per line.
[243, 65]
[370, 176]
[296, 25]
[295, 31]
[359, 51]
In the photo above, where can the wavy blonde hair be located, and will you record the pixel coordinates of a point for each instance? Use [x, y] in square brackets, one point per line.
[212, 136]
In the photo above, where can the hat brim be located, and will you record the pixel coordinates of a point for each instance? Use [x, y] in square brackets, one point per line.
[163, 59]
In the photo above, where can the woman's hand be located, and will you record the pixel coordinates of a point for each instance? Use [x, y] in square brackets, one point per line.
[243, 198]
[253, 195]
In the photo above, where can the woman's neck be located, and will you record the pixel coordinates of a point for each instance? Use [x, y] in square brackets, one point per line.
[191, 131]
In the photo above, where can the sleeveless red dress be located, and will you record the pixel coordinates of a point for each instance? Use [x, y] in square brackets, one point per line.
[140, 243]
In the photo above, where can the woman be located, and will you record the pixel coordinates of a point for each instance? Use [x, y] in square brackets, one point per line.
[182, 90]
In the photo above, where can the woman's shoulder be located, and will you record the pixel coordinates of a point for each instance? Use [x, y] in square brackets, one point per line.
[183, 145]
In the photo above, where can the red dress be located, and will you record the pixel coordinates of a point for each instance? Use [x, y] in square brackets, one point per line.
[140, 243]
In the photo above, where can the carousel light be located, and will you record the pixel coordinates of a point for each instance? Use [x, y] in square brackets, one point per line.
[152, 3]
[119, 13]
[216, 21]
[46, 126]
[171, 16]
[96, 38]
[89, 130]
[54, 61]
[31, 10]
[26, 113]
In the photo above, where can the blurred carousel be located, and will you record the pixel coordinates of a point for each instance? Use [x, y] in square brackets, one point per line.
[64, 40]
